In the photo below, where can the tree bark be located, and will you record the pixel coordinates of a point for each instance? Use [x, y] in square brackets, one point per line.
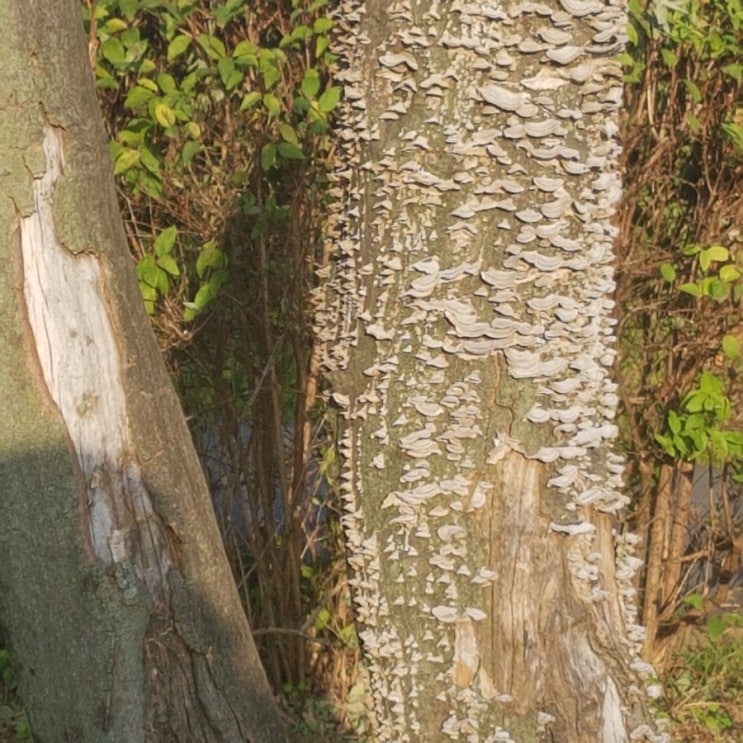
[116, 600]
[469, 343]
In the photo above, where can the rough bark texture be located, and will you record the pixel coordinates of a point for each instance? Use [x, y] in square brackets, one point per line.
[116, 600]
[469, 353]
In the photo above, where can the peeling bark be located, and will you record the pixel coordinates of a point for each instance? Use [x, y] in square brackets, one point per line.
[469, 343]
[116, 599]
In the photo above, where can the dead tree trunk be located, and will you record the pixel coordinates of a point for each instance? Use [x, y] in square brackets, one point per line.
[470, 343]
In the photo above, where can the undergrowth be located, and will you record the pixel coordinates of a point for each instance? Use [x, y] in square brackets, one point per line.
[13, 725]
[703, 681]
[679, 304]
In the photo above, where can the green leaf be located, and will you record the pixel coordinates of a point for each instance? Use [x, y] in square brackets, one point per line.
[228, 74]
[321, 45]
[137, 97]
[225, 67]
[704, 260]
[297, 35]
[164, 114]
[718, 253]
[246, 60]
[245, 48]
[718, 290]
[104, 79]
[694, 92]
[696, 421]
[288, 134]
[113, 50]
[632, 35]
[163, 283]
[169, 264]
[674, 422]
[114, 25]
[731, 347]
[189, 83]
[145, 82]
[694, 289]
[126, 159]
[318, 127]
[192, 129]
[189, 151]
[699, 440]
[715, 627]
[711, 384]
[210, 256]
[719, 444]
[272, 104]
[217, 279]
[166, 83]
[693, 403]
[729, 274]
[147, 270]
[130, 36]
[227, 11]
[626, 59]
[128, 8]
[166, 240]
[329, 99]
[301, 105]
[670, 59]
[322, 25]
[735, 443]
[150, 161]
[268, 157]
[250, 100]
[213, 46]
[146, 66]
[204, 296]
[667, 444]
[136, 51]
[150, 184]
[734, 132]
[271, 76]
[680, 448]
[694, 600]
[322, 619]
[668, 272]
[734, 70]
[310, 83]
[290, 151]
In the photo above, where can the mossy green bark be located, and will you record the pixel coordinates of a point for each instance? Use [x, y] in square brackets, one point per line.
[98, 658]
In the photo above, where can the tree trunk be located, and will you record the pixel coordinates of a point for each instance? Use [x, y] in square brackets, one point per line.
[468, 320]
[116, 600]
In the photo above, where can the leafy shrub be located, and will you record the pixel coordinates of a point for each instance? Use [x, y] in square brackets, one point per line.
[206, 104]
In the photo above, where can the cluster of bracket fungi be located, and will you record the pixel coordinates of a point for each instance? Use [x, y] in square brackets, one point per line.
[471, 227]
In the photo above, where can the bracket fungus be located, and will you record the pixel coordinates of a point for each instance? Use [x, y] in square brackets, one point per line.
[469, 281]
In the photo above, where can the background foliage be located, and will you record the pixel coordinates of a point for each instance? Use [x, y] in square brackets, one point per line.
[679, 302]
[218, 115]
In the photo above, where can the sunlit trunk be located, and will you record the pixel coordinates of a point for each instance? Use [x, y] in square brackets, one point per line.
[470, 358]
